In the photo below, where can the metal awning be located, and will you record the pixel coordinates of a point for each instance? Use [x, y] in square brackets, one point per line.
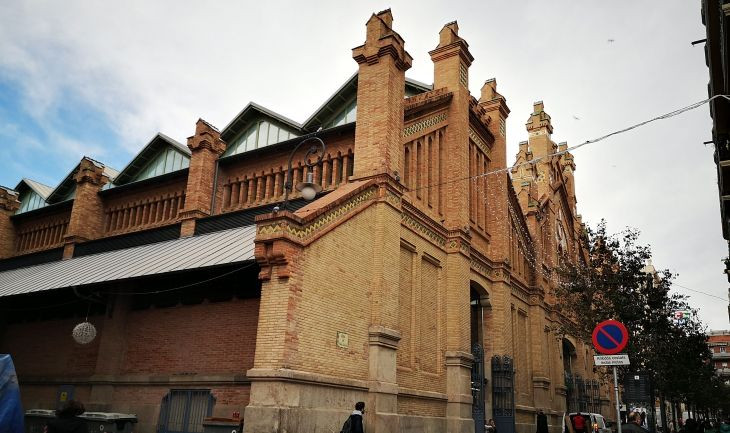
[218, 248]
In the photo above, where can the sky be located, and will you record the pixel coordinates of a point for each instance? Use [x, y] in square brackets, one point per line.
[102, 78]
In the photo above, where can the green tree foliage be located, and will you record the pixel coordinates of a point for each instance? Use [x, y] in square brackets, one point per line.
[614, 283]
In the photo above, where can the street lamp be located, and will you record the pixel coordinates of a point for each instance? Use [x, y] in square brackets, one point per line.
[308, 188]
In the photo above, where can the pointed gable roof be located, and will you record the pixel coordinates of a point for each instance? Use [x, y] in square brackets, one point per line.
[159, 143]
[67, 188]
[345, 95]
[252, 112]
[28, 184]
[32, 195]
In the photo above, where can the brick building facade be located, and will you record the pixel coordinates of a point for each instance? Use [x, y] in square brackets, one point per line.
[718, 341]
[410, 283]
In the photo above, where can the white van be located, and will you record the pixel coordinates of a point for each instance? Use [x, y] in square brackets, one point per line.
[594, 421]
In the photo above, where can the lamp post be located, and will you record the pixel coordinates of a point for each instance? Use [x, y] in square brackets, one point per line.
[308, 188]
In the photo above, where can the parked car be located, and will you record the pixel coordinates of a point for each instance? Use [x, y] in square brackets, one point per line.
[594, 421]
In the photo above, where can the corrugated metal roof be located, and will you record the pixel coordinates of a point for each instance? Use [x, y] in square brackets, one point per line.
[228, 246]
[41, 189]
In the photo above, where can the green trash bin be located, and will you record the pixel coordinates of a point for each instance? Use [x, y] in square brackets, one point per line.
[222, 425]
[108, 422]
[36, 419]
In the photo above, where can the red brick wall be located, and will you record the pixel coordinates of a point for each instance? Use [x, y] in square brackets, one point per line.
[47, 348]
[207, 338]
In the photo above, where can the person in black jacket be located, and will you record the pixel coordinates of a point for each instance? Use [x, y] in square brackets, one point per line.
[542, 422]
[634, 424]
[67, 419]
[357, 417]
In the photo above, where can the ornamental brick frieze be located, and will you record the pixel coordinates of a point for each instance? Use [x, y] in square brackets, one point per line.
[520, 294]
[482, 265]
[422, 225]
[424, 126]
[478, 141]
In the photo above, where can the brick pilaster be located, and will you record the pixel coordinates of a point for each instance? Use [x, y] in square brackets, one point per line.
[87, 213]
[451, 62]
[8, 205]
[206, 146]
[383, 61]
[495, 106]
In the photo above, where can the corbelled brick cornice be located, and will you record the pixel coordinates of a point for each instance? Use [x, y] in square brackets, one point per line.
[382, 41]
[90, 172]
[9, 200]
[207, 137]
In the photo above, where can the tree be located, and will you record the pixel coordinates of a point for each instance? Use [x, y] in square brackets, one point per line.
[614, 283]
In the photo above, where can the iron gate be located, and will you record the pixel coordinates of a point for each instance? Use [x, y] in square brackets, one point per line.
[477, 388]
[503, 393]
[183, 410]
[582, 395]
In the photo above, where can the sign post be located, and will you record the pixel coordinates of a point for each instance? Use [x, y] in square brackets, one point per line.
[609, 338]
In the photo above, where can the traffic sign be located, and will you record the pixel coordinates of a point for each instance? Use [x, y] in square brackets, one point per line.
[611, 359]
[610, 337]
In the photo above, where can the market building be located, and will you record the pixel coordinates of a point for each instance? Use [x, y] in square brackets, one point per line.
[716, 18]
[414, 281]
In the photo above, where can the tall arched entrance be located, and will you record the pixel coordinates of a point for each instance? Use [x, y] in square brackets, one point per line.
[572, 380]
[479, 299]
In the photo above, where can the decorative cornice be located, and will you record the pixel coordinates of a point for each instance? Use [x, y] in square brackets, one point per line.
[290, 228]
[459, 359]
[423, 101]
[385, 337]
[416, 221]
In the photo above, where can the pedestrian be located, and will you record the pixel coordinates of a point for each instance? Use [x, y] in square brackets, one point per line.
[67, 419]
[353, 424]
[634, 424]
[491, 426]
[542, 423]
[579, 423]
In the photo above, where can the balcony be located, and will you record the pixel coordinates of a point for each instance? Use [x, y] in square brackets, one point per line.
[721, 355]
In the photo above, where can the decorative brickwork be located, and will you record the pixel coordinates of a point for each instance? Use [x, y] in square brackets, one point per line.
[423, 124]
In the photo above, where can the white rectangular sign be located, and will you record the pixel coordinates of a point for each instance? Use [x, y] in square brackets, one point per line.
[611, 359]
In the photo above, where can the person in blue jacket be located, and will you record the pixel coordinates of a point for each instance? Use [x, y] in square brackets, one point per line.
[11, 411]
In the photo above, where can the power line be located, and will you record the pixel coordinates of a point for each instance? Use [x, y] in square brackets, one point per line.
[699, 291]
[184, 286]
[577, 146]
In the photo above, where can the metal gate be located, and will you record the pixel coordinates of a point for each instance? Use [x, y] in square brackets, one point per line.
[183, 410]
[477, 388]
[503, 393]
[582, 395]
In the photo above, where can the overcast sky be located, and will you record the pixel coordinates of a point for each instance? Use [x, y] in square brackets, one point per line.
[101, 78]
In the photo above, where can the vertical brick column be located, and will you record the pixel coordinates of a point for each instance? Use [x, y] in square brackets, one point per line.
[206, 146]
[495, 106]
[451, 61]
[382, 61]
[111, 353]
[87, 213]
[8, 205]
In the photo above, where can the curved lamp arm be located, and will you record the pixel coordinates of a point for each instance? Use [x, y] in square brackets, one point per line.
[318, 148]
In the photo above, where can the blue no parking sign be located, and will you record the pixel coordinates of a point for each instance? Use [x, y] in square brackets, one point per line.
[610, 337]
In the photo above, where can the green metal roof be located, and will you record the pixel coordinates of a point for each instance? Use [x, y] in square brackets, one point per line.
[160, 156]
